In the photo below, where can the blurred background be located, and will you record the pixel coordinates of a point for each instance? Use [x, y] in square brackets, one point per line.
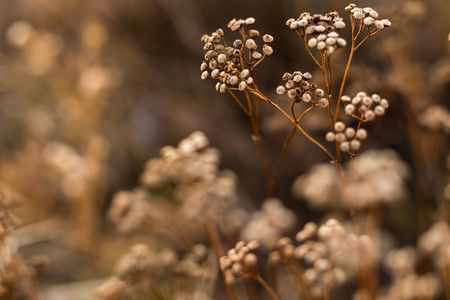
[90, 90]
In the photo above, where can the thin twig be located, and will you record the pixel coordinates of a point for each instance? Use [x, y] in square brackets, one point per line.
[263, 97]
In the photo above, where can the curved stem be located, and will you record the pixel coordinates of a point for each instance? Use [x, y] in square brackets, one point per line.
[307, 49]
[285, 145]
[239, 102]
[263, 97]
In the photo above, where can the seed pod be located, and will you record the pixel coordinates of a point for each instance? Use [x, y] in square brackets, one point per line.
[361, 134]
[350, 109]
[250, 44]
[306, 97]
[221, 58]
[267, 38]
[350, 132]
[368, 21]
[250, 21]
[267, 50]
[339, 126]
[330, 136]
[320, 93]
[323, 102]
[355, 145]
[312, 42]
[379, 110]
[339, 25]
[281, 90]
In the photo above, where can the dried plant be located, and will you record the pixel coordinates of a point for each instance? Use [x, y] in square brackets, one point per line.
[230, 251]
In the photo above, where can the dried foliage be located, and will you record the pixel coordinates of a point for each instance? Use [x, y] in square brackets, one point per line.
[306, 160]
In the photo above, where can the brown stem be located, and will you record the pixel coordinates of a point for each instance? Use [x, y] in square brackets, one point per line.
[263, 97]
[239, 102]
[267, 287]
[254, 121]
[307, 48]
[159, 227]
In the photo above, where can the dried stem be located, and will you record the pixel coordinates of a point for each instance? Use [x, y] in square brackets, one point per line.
[263, 97]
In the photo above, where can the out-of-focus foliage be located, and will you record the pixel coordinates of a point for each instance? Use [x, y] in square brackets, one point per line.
[90, 90]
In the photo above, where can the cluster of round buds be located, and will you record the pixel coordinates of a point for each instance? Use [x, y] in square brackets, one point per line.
[368, 17]
[323, 29]
[315, 255]
[240, 261]
[365, 107]
[327, 42]
[349, 139]
[223, 63]
[298, 88]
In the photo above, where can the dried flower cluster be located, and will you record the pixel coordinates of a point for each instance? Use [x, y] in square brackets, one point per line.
[224, 63]
[142, 274]
[436, 117]
[368, 17]
[240, 261]
[298, 88]
[378, 177]
[187, 175]
[269, 223]
[326, 256]
[323, 30]
[362, 107]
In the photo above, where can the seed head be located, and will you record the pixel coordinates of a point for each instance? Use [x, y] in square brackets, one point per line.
[350, 132]
[320, 93]
[330, 136]
[379, 110]
[355, 145]
[267, 38]
[323, 102]
[281, 90]
[368, 21]
[369, 115]
[306, 97]
[250, 21]
[361, 134]
[267, 50]
[221, 58]
[339, 126]
[350, 109]
[250, 44]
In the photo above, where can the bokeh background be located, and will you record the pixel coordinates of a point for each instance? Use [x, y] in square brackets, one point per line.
[90, 90]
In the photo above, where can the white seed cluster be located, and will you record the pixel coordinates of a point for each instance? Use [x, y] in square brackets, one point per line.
[365, 107]
[323, 30]
[299, 88]
[406, 283]
[316, 246]
[239, 261]
[349, 138]
[368, 17]
[191, 172]
[436, 117]
[141, 265]
[378, 177]
[269, 223]
[223, 63]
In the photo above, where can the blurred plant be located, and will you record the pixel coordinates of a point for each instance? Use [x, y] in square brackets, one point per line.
[18, 278]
